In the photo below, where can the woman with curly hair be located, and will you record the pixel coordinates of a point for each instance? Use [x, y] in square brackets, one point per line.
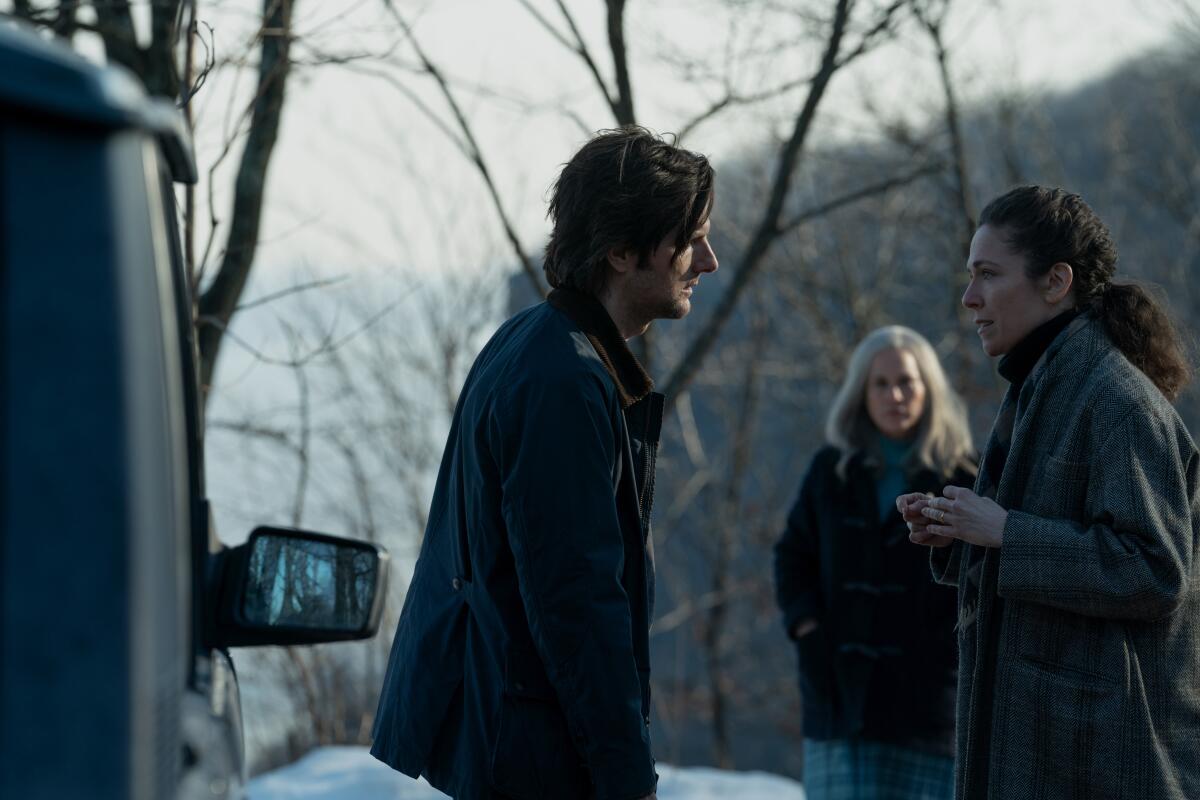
[1075, 552]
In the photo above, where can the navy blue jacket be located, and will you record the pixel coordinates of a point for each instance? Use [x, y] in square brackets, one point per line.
[521, 662]
[882, 662]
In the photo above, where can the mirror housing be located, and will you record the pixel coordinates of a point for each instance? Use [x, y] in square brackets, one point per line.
[292, 587]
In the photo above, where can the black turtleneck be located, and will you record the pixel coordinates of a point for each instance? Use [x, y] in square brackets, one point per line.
[1015, 367]
[1017, 363]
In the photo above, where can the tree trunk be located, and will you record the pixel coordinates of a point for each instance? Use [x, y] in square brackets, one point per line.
[219, 301]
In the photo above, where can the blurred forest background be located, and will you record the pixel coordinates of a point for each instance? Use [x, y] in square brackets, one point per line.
[371, 209]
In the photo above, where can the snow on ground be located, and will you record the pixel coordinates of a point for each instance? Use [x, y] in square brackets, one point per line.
[350, 773]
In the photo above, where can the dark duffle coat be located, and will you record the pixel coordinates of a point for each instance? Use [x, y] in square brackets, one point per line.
[1079, 655]
[521, 661]
[881, 662]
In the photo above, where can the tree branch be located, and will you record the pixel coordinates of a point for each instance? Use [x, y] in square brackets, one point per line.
[733, 99]
[545, 23]
[580, 48]
[962, 194]
[473, 151]
[884, 25]
[304, 435]
[162, 74]
[850, 198]
[767, 230]
[67, 22]
[219, 302]
[115, 23]
[399, 85]
[277, 435]
[328, 344]
[623, 105]
[282, 293]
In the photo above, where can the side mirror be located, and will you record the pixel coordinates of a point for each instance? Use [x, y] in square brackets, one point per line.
[287, 587]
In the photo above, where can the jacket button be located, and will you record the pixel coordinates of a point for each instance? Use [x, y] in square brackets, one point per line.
[456, 583]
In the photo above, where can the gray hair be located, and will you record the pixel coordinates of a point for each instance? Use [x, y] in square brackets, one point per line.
[943, 442]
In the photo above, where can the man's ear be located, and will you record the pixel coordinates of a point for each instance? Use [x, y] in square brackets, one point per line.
[623, 259]
[1058, 283]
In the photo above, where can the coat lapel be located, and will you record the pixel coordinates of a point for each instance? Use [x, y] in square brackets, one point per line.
[1019, 425]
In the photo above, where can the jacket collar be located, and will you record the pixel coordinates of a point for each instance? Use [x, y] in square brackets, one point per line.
[1079, 342]
[1019, 362]
[865, 465]
[633, 383]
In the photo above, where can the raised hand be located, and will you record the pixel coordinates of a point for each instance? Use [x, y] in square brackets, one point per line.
[911, 507]
[961, 514]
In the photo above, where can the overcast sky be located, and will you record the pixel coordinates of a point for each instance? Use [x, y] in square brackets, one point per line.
[361, 178]
[362, 182]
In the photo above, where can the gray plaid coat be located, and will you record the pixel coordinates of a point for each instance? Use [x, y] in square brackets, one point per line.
[1079, 659]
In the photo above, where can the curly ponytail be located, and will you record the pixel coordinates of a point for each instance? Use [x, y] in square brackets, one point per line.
[1139, 326]
[1051, 226]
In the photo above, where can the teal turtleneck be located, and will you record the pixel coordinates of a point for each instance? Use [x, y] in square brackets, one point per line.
[892, 481]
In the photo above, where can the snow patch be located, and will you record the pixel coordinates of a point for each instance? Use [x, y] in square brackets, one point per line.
[350, 773]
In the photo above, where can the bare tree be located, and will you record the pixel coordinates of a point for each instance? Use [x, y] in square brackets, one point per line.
[154, 62]
[164, 57]
[838, 51]
[375, 365]
[932, 15]
[218, 302]
[618, 96]
[771, 222]
[731, 508]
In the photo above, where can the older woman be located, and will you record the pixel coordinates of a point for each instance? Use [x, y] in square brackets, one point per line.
[874, 632]
[1075, 554]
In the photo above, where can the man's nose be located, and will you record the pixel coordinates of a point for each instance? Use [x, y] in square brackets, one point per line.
[707, 261]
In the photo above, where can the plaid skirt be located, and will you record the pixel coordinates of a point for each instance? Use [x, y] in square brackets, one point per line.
[856, 769]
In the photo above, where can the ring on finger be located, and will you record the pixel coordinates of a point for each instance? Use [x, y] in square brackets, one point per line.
[941, 515]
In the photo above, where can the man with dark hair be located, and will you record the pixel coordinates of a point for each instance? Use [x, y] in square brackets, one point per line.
[520, 667]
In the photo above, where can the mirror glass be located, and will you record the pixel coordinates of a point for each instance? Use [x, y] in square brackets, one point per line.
[303, 583]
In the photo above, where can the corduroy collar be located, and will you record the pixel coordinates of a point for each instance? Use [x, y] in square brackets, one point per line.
[631, 379]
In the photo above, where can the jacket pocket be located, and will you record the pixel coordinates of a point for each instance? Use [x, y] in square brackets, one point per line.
[532, 756]
[425, 671]
[1060, 732]
[1059, 469]
[1060, 490]
[1087, 652]
[817, 690]
[1062, 698]
[1076, 679]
